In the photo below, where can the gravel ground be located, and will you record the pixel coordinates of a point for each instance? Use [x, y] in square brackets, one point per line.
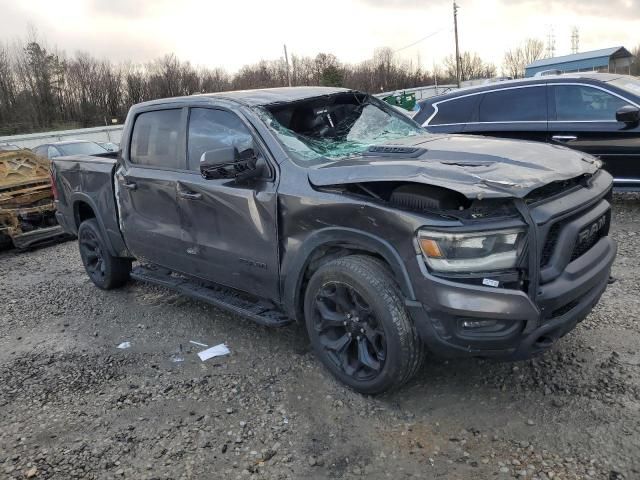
[72, 405]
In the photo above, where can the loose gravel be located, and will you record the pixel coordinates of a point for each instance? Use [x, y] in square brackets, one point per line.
[72, 405]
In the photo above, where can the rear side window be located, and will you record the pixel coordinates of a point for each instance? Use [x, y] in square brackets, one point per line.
[460, 110]
[579, 103]
[211, 129]
[41, 151]
[514, 105]
[52, 152]
[155, 141]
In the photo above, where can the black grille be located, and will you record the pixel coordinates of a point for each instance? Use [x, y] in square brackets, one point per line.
[550, 243]
[580, 248]
[583, 247]
[554, 188]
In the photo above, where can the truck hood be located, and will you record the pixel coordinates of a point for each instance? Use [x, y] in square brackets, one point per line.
[471, 165]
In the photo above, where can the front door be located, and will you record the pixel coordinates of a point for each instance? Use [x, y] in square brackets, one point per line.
[146, 188]
[584, 119]
[230, 227]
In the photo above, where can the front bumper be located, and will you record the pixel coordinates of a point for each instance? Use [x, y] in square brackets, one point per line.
[462, 319]
[528, 328]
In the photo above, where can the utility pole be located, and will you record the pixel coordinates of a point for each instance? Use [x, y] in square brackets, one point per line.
[455, 27]
[435, 76]
[286, 59]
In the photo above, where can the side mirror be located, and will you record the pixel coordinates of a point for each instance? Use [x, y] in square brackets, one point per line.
[227, 162]
[628, 114]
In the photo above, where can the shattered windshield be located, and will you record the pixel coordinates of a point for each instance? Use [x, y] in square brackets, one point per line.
[336, 126]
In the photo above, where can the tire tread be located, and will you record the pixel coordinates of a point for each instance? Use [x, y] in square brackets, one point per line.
[119, 268]
[376, 273]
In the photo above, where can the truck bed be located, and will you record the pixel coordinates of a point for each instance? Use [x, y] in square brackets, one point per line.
[86, 188]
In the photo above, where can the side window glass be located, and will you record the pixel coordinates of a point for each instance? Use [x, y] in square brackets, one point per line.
[514, 105]
[52, 152]
[580, 103]
[460, 110]
[211, 129]
[156, 139]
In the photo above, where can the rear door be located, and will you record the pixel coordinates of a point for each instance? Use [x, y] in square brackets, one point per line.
[516, 112]
[146, 187]
[584, 118]
[230, 227]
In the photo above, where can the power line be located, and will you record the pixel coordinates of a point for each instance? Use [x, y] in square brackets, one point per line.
[421, 40]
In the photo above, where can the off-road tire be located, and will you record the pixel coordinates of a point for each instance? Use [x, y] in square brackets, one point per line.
[104, 270]
[374, 283]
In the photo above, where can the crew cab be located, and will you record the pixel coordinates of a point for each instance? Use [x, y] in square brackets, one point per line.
[326, 206]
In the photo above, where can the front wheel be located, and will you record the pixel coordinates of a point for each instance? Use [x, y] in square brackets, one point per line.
[104, 270]
[359, 327]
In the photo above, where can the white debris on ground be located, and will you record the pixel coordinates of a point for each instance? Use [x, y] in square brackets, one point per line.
[217, 351]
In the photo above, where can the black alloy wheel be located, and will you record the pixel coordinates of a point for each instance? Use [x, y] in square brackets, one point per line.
[92, 255]
[349, 331]
[358, 324]
[104, 270]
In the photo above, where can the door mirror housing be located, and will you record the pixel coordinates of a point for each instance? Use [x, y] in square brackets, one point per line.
[229, 163]
[628, 114]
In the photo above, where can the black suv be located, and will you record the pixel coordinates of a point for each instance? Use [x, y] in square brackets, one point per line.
[596, 113]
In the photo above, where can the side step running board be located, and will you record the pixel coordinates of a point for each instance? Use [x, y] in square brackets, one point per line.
[227, 299]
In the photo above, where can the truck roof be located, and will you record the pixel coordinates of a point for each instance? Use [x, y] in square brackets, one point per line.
[262, 96]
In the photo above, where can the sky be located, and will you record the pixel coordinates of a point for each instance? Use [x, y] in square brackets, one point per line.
[230, 34]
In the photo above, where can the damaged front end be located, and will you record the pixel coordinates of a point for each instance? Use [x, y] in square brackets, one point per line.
[505, 242]
[27, 212]
[502, 277]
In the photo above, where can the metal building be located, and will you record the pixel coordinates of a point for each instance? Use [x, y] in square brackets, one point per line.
[613, 60]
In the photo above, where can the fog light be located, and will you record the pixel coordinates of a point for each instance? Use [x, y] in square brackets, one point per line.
[475, 324]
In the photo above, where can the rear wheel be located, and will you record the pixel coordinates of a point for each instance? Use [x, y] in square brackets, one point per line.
[104, 270]
[358, 325]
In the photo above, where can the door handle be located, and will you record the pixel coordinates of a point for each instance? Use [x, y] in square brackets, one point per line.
[189, 195]
[130, 185]
[564, 138]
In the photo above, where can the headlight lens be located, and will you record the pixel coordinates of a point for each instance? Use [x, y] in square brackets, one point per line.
[471, 252]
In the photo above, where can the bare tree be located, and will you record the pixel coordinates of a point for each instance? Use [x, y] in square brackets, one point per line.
[7, 86]
[41, 88]
[635, 66]
[215, 80]
[472, 67]
[516, 60]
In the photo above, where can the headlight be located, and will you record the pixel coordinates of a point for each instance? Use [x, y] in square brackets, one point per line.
[471, 252]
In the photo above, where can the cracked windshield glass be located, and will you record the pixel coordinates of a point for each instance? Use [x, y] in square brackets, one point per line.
[336, 127]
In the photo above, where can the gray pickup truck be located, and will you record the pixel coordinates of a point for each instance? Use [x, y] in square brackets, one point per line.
[327, 207]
